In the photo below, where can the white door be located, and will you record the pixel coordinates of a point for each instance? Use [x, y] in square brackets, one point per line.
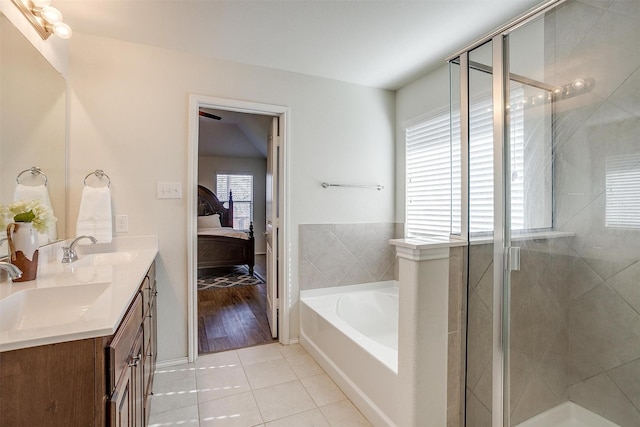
[272, 227]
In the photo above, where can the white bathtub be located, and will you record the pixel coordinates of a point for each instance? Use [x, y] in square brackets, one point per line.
[352, 331]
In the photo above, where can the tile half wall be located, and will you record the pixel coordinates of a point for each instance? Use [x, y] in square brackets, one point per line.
[347, 254]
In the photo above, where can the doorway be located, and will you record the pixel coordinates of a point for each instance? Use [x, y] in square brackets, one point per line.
[244, 315]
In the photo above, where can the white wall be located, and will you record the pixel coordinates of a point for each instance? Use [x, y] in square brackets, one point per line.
[129, 116]
[427, 94]
[208, 167]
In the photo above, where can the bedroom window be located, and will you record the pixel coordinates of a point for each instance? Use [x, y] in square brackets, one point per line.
[241, 186]
[433, 171]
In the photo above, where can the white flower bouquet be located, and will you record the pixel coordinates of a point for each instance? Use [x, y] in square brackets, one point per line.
[33, 211]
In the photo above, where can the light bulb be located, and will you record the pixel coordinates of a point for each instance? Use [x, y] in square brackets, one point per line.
[62, 30]
[578, 83]
[51, 15]
[40, 3]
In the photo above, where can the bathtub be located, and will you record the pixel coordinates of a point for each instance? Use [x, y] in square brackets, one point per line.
[352, 331]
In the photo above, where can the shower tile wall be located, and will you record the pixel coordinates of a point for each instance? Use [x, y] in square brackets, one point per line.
[539, 352]
[604, 281]
[575, 303]
[456, 336]
[347, 254]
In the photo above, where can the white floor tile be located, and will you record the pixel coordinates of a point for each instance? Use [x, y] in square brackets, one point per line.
[180, 393]
[221, 382]
[288, 387]
[292, 350]
[212, 361]
[239, 410]
[344, 414]
[312, 418]
[260, 353]
[269, 373]
[283, 400]
[178, 417]
[304, 366]
[165, 377]
[322, 389]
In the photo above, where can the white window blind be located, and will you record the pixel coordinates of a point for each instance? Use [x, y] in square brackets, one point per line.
[623, 191]
[241, 187]
[429, 168]
[433, 171]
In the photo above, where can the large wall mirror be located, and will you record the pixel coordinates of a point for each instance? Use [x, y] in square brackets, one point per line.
[32, 124]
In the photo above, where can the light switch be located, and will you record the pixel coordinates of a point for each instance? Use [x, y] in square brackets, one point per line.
[169, 190]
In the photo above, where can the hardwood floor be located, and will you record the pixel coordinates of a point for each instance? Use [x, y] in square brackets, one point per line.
[232, 318]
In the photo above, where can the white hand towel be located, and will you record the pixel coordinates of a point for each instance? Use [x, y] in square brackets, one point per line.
[94, 218]
[40, 193]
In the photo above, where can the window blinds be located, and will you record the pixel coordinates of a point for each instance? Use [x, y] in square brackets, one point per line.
[433, 199]
[623, 191]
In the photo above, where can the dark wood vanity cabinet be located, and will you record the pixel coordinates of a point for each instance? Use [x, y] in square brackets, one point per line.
[102, 381]
[131, 358]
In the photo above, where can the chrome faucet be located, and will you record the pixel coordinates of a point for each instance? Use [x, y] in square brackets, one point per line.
[69, 253]
[14, 272]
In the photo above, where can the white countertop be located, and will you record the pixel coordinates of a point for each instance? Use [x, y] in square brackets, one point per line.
[85, 299]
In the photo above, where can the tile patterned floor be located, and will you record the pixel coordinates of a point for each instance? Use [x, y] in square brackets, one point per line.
[269, 385]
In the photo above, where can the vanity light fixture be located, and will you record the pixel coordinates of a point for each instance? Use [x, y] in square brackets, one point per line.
[45, 19]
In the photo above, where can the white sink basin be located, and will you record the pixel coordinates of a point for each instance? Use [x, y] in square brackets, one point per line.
[33, 308]
[108, 258]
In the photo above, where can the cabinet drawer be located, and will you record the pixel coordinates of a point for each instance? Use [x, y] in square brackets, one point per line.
[119, 351]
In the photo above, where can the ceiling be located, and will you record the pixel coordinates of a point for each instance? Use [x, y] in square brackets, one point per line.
[379, 43]
[383, 43]
[234, 135]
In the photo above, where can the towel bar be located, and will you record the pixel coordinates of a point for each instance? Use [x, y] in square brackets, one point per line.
[377, 187]
[35, 170]
[100, 174]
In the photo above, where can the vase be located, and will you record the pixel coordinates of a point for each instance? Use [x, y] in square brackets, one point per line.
[23, 249]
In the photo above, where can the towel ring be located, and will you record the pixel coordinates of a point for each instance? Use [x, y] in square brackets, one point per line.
[35, 170]
[100, 174]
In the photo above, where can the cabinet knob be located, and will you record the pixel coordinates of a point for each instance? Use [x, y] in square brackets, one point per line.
[135, 360]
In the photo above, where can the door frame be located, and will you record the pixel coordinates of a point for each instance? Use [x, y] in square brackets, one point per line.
[202, 101]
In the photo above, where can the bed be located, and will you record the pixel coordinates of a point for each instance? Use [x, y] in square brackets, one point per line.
[219, 245]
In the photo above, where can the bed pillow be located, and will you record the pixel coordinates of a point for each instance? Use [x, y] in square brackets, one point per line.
[209, 221]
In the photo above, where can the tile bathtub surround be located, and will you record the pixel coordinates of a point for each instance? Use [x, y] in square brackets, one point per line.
[269, 385]
[347, 254]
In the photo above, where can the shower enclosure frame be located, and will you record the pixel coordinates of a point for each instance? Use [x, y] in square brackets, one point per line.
[505, 256]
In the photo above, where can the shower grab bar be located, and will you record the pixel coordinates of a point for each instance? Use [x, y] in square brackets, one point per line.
[376, 187]
[100, 174]
[35, 170]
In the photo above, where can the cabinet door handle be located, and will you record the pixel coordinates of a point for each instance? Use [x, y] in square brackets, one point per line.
[135, 360]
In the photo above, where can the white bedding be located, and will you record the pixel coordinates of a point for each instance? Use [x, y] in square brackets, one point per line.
[224, 231]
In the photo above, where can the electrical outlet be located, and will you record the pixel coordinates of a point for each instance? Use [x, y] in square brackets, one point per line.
[122, 223]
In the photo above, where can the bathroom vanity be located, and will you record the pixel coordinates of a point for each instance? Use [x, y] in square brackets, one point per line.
[78, 345]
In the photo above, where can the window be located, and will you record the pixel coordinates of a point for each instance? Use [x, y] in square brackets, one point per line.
[431, 164]
[623, 191]
[241, 187]
[433, 171]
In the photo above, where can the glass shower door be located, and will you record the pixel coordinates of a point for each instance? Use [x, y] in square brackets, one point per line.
[572, 167]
